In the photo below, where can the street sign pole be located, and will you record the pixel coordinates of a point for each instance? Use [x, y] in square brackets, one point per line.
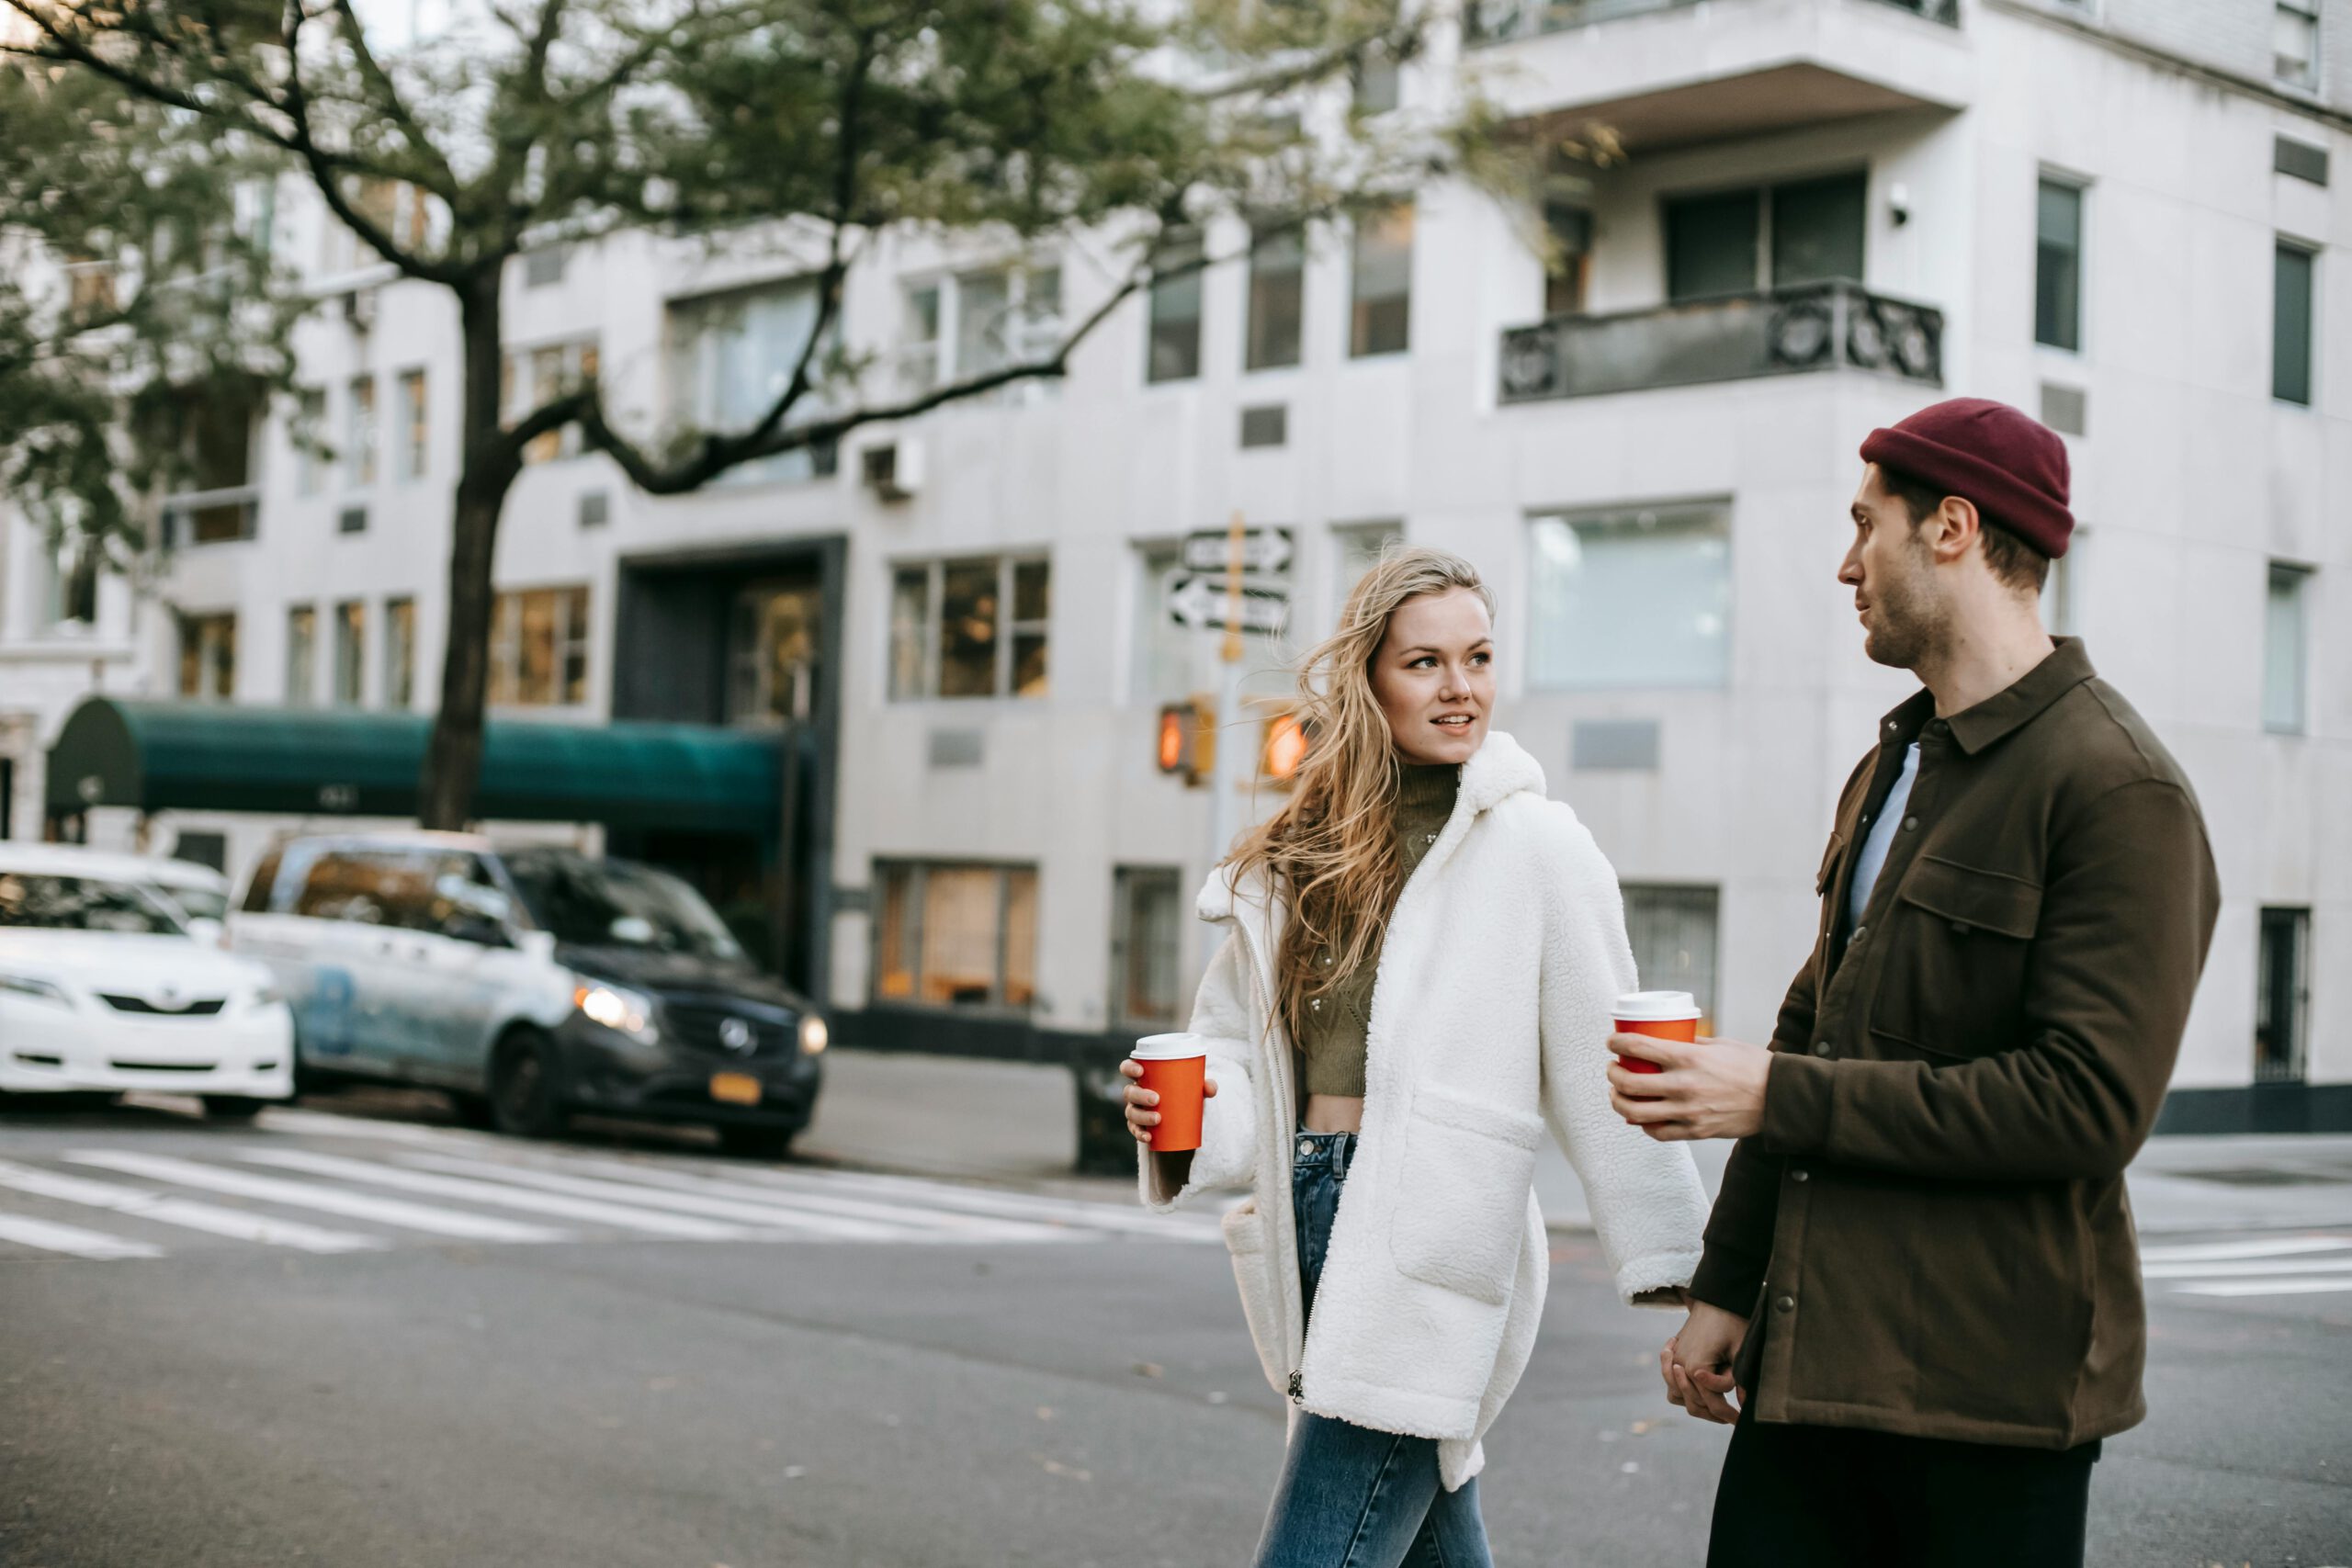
[1224, 785]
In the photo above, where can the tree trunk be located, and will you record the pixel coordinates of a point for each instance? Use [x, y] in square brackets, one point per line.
[486, 471]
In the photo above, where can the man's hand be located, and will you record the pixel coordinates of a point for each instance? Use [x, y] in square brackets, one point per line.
[1711, 1089]
[1696, 1363]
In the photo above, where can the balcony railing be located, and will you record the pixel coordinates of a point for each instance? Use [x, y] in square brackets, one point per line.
[212, 517]
[1821, 326]
[1499, 21]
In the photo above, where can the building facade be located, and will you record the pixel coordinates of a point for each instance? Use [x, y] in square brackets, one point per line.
[1635, 404]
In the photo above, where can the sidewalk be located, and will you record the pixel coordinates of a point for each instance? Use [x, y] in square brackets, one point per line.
[1017, 1123]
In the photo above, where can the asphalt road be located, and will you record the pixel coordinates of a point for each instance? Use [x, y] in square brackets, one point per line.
[364, 1344]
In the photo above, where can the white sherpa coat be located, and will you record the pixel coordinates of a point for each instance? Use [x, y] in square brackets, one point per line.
[1489, 1019]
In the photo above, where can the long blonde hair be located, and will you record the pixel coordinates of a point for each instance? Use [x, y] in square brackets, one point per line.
[1330, 853]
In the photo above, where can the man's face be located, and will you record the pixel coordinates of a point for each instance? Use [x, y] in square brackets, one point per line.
[1893, 575]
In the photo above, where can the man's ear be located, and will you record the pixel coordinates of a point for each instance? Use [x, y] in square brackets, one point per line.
[1952, 528]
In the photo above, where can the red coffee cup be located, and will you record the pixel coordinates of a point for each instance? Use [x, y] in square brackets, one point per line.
[1662, 1015]
[1175, 1067]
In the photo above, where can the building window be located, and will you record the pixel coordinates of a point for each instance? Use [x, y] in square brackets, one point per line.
[733, 354]
[2058, 265]
[1672, 930]
[301, 655]
[1007, 316]
[350, 651]
[1630, 599]
[2285, 635]
[1568, 262]
[919, 348]
[359, 432]
[1174, 353]
[1147, 946]
[539, 648]
[1355, 549]
[310, 429]
[2285, 996]
[956, 936]
[2294, 42]
[1380, 318]
[969, 628]
[209, 655]
[1277, 299]
[2290, 324]
[772, 652]
[1738, 242]
[415, 439]
[399, 653]
[528, 380]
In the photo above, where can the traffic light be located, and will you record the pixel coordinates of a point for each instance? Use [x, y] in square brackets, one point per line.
[1187, 739]
[1283, 749]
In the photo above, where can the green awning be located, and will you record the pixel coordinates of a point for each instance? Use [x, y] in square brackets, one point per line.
[154, 756]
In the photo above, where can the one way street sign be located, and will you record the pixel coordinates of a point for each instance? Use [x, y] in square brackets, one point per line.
[1262, 549]
[1200, 602]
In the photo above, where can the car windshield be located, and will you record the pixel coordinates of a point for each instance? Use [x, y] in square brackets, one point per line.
[618, 904]
[198, 903]
[82, 904]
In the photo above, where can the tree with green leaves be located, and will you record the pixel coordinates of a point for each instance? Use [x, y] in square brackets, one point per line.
[138, 317]
[816, 125]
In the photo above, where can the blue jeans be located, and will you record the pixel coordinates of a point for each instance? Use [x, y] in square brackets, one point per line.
[1351, 1497]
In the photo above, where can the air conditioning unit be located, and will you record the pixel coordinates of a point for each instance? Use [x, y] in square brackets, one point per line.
[359, 309]
[894, 469]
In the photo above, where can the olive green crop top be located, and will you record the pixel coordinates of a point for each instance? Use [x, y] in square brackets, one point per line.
[1332, 1040]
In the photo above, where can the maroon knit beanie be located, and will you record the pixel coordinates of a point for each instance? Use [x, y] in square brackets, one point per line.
[2010, 466]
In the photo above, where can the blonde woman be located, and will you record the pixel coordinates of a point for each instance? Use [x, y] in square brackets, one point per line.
[1419, 958]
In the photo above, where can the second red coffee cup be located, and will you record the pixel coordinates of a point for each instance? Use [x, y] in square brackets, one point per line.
[1662, 1015]
[1175, 1067]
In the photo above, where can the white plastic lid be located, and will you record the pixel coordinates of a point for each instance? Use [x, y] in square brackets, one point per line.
[1656, 1006]
[1168, 1047]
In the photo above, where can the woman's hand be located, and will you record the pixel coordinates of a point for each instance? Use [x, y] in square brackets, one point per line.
[1141, 1117]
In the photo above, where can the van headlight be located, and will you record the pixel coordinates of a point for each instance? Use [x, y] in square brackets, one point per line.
[267, 995]
[813, 1036]
[44, 990]
[618, 1008]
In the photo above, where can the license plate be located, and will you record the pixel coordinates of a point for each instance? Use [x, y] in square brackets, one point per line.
[735, 1089]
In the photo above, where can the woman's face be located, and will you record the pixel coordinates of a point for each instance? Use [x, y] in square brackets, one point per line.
[1434, 676]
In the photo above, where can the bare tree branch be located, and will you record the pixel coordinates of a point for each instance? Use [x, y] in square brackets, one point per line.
[440, 178]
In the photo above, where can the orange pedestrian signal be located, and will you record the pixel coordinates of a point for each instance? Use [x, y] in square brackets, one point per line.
[1285, 748]
[1187, 741]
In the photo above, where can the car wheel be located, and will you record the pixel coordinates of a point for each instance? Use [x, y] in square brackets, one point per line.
[232, 1107]
[757, 1142]
[525, 1098]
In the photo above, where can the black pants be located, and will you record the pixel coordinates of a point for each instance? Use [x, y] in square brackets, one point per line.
[1836, 1497]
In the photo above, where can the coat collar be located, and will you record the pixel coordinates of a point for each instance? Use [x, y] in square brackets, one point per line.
[2005, 711]
[1501, 769]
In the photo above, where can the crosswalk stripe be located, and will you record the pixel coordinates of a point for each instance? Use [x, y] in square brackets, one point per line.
[186, 1213]
[302, 1195]
[2219, 1251]
[772, 1214]
[2266, 1287]
[50, 1236]
[962, 1227]
[2249, 1267]
[679, 1226]
[1095, 1216]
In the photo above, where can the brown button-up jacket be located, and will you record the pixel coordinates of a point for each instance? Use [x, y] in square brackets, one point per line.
[1930, 1233]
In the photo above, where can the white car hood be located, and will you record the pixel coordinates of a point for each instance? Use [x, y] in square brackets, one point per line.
[121, 961]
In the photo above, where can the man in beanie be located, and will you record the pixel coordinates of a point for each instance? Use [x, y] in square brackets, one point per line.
[1920, 1279]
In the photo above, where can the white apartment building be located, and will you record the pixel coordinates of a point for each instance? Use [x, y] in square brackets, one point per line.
[2129, 217]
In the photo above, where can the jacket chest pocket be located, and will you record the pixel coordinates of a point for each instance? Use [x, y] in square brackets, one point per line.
[1952, 979]
[1460, 1208]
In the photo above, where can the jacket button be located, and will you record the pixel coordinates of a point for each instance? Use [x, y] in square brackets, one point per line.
[1821, 1047]
[1960, 928]
[1799, 1174]
[1305, 1148]
[1860, 933]
[1910, 823]
[1786, 1303]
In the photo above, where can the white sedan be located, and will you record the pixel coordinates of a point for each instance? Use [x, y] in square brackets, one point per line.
[103, 989]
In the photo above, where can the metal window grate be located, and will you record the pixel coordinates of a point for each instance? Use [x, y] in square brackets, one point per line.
[2065, 408]
[2301, 159]
[1266, 426]
[1621, 744]
[595, 507]
[352, 520]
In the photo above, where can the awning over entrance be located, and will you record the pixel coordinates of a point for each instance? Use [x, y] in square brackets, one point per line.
[154, 756]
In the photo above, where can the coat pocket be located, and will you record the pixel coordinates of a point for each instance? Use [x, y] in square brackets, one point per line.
[1460, 1206]
[1953, 982]
[1254, 1264]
